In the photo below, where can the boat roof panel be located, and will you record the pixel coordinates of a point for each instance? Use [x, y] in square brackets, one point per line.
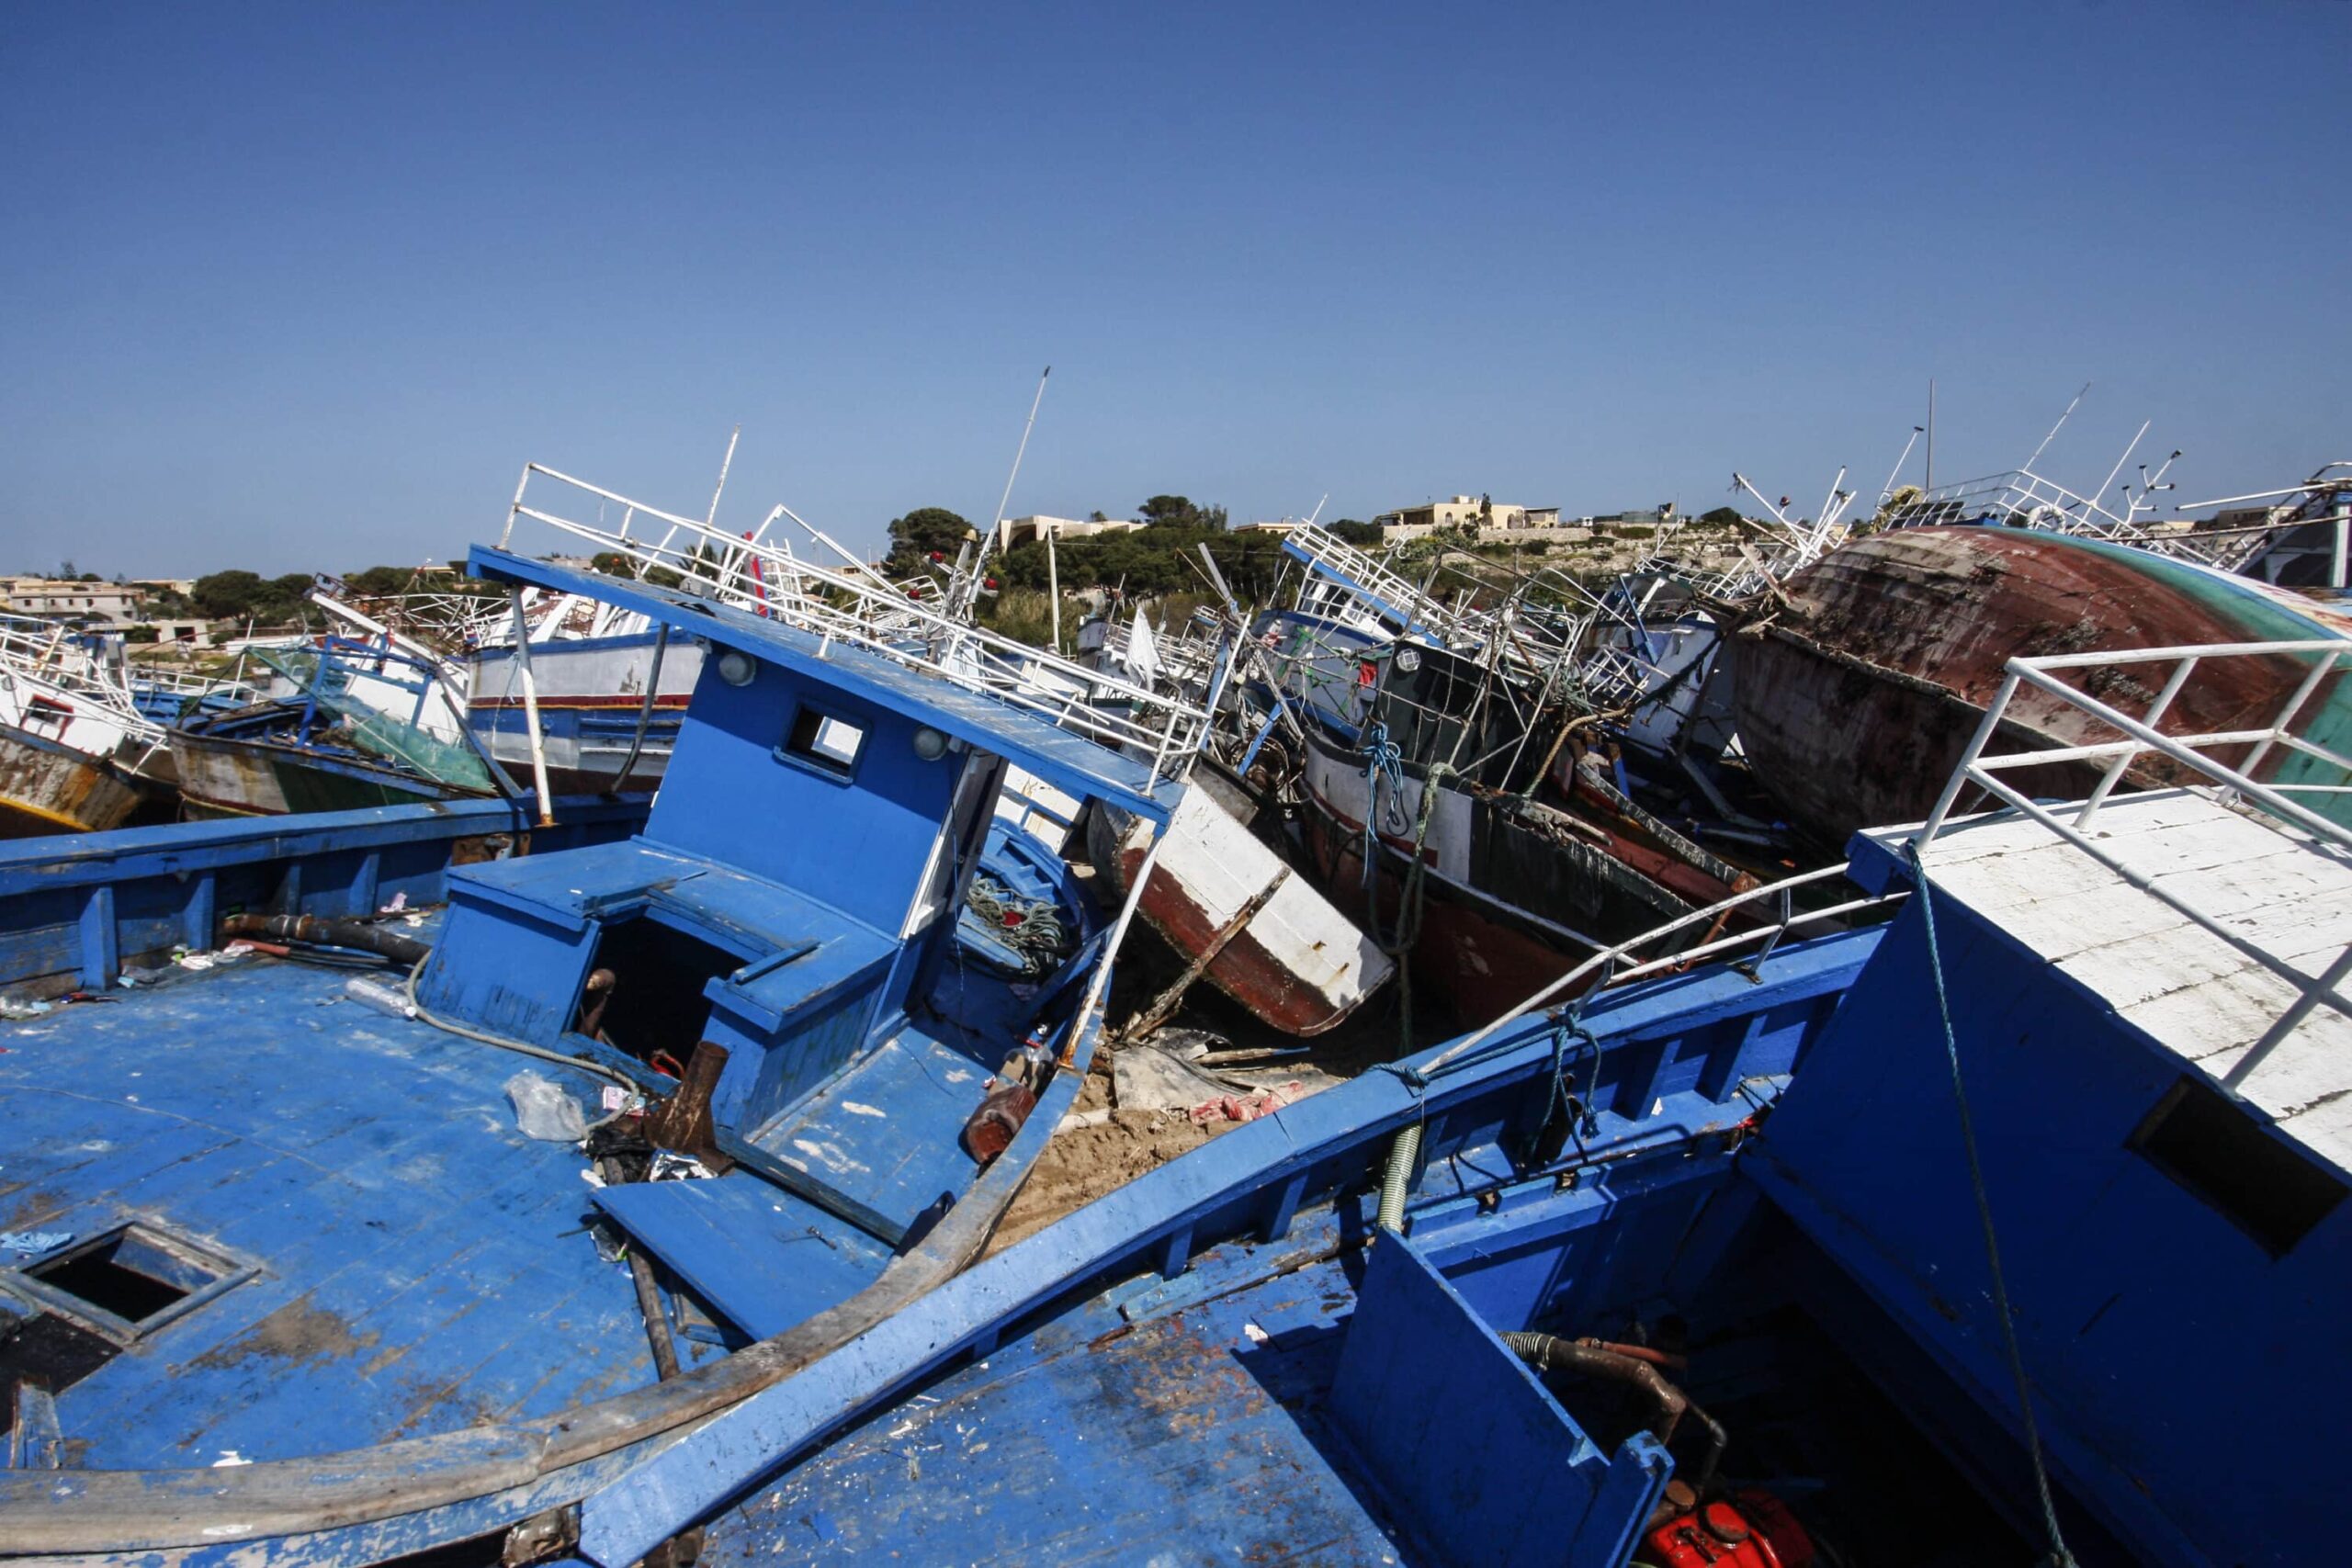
[2196, 996]
[1065, 757]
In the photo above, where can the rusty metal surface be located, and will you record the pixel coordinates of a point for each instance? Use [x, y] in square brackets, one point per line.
[1857, 695]
[1244, 970]
[48, 788]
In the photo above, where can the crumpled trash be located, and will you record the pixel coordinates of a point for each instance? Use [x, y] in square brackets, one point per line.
[670, 1166]
[544, 1109]
[16, 1009]
[30, 1242]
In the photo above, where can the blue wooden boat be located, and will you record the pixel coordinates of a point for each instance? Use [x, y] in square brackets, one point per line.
[2012, 1230]
[284, 1272]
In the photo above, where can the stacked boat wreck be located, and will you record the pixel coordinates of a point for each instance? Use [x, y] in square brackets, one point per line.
[1902, 991]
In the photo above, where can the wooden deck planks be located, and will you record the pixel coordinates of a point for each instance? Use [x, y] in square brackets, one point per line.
[415, 1272]
[2189, 990]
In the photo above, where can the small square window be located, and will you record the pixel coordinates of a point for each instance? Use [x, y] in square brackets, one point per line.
[2212, 1145]
[824, 742]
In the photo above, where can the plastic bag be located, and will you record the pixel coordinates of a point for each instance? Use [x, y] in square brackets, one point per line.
[544, 1110]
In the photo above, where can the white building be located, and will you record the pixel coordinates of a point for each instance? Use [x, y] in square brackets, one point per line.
[1023, 530]
[1476, 513]
[105, 603]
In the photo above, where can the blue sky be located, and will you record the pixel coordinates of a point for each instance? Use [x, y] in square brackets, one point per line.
[304, 288]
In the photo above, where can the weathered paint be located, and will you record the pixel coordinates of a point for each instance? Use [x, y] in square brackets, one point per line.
[49, 788]
[1300, 964]
[1680, 1052]
[249, 776]
[1860, 687]
[1516, 893]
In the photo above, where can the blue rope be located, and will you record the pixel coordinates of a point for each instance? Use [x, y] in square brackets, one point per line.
[1563, 1097]
[1384, 759]
[2058, 1552]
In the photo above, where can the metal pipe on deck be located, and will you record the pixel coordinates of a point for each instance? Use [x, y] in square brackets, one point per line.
[645, 709]
[531, 711]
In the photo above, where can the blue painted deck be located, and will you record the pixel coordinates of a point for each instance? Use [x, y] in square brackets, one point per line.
[417, 1266]
[1198, 1436]
[886, 1132]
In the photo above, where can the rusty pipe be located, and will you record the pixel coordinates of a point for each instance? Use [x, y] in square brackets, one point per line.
[1550, 1353]
[326, 932]
[1666, 1359]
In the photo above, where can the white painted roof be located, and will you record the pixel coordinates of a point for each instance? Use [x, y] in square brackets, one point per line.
[2195, 994]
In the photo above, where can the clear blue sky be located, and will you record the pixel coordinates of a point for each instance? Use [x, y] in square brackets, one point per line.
[304, 288]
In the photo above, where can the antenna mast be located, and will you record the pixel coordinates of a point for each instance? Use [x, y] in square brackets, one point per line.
[969, 590]
[2056, 428]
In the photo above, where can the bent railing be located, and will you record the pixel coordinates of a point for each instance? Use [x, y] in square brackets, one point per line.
[2073, 820]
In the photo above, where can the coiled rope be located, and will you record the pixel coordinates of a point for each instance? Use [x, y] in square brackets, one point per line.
[1032, 927]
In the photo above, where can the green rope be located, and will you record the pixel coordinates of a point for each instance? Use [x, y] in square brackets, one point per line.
[2058, 1552]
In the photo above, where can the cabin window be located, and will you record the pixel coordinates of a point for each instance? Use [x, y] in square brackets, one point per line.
[823, 741]
[129, 1280]
[2214, 1148]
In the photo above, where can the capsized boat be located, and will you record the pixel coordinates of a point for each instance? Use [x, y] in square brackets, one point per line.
[1498, 884]
[1860, 682]
[72, 742]
[317, 1265]
[337, 745]
[1880, 1246]
[1237, 917]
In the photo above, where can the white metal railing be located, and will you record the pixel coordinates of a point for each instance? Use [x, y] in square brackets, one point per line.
[758, 573]
[2023, 498]
[50, 654]
[1617, 966]
[2072, 821]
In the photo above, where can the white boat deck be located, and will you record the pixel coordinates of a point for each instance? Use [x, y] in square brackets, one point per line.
[2194, 993]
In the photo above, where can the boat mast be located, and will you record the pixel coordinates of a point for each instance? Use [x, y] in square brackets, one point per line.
[2055, 429]
[1930, 482]
[962, 595]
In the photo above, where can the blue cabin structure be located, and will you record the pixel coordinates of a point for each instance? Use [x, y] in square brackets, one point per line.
[283, 1267]
[1772, 1184]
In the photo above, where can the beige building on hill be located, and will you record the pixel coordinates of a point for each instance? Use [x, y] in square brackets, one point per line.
[107, 604]
[1478, 512]
[1023, 530]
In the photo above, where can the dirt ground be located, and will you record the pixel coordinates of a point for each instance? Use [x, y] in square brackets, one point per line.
[1081, 1164]
[1084, 1163]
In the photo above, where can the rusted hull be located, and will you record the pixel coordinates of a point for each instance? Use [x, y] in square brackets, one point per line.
[223, 777]
[49, 788]
[1477, 955]
[1297, 963]
[1857, 697]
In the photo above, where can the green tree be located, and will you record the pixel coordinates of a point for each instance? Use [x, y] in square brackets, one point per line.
[380, 579]
[1721, 517]
[921, 533]
[1176, 511]
[1364, 534]
[228, 594]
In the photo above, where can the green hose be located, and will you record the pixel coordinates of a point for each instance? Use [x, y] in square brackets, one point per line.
[1402, 1154]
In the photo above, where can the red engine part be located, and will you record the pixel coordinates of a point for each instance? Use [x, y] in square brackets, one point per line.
[1748, 1529]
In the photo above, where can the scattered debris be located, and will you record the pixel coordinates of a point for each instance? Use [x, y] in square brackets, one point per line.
[544, 1109]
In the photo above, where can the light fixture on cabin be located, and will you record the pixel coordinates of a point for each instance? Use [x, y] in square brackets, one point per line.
[737, 668]
[1407, 660]
[929, 744]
